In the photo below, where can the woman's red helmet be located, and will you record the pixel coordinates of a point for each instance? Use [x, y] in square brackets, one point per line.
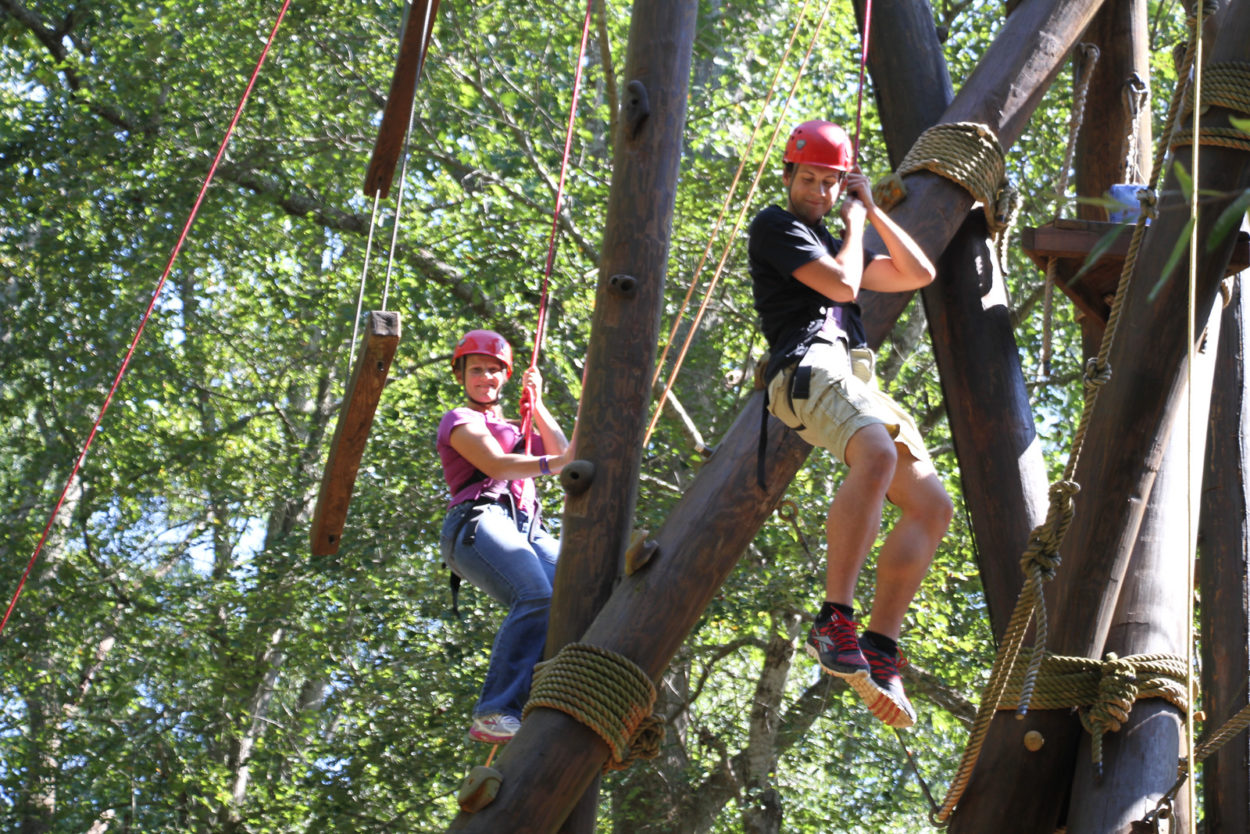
[486, 343]
[821, 143]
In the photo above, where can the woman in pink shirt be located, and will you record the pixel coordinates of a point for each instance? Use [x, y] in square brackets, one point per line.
[493, 536]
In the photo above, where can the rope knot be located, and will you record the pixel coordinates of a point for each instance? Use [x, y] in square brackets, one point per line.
[1117, 691]
[1097, 374]
[1042, 552]
[1148, 198]
[606, 692]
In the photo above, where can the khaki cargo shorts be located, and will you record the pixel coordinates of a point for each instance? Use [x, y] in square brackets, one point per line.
[843, 398]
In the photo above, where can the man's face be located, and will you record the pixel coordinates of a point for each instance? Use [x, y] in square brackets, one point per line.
[812, 191]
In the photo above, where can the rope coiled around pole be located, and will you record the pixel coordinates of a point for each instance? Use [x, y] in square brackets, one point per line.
[605, 691]
[1103, 691]
[970, 155]
[1224, 85]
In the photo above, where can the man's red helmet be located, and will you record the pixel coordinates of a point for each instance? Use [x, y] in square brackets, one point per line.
[486, 343]
[821, 143]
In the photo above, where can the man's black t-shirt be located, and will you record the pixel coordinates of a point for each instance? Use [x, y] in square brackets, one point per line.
[792, 313]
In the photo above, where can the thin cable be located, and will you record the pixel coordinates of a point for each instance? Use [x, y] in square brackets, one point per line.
[147, 313]
[863, 62]
[1191, 335]
[399, 210]
[360, 294]
[720, 266]
[527, 417]
[733, 186]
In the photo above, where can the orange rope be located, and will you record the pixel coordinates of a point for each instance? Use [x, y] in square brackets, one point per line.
[720, 266]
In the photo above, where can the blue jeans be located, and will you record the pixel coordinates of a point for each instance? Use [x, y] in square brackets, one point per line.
[515, 571]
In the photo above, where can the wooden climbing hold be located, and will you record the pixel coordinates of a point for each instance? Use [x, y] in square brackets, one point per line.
[479, 789]
[641, 550]
[1034, 741]
[355, 419]
[577, 477]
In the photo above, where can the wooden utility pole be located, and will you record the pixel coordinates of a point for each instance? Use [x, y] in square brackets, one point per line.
[1113, 145]
[1123, 450]
[554, 760]
[1139, 760]
[1224, 572]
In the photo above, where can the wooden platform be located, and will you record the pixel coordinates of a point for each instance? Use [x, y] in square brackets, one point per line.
[1072, 241]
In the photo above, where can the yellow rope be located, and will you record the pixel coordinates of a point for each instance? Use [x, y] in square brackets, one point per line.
[1224, 85]
[1103, 691]
[970, 155]
[1041, 558]
[606, 692]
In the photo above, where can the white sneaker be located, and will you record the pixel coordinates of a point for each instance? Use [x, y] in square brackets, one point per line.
[496, 728]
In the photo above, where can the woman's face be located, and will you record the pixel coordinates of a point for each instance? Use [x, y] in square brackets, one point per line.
[483, 378]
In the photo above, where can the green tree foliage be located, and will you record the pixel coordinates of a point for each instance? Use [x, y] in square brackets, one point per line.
[177, 660]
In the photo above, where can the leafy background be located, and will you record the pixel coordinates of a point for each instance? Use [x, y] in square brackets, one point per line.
[177, 660]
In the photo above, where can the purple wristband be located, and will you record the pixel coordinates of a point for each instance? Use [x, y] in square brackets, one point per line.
[542, 465]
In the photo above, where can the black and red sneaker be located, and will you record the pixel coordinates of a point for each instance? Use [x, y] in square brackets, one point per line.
[882, 688]
[833, 643]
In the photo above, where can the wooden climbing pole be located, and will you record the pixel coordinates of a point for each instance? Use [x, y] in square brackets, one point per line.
[360, 402]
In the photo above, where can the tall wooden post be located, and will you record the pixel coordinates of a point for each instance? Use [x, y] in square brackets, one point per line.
[1139, 761]
[1003, 474]
[1123, 450]
[1109, 133]
[1224, 572]
[546, 767]
[1002, 92]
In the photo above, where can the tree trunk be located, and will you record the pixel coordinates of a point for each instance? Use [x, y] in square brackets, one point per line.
[539, 789]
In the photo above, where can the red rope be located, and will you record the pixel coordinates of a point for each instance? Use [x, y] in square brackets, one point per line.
[526, 413]
[146, 315]
[863, 61]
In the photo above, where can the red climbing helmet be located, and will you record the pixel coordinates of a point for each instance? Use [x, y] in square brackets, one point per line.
[822, 143]
[487, 343]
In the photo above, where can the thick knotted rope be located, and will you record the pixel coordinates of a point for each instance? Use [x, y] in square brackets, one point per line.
[1224, 85]
[1102, 691]
[605, 691]
[970, 155]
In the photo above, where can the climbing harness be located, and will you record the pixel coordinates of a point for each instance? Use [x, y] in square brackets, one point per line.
[147, 314]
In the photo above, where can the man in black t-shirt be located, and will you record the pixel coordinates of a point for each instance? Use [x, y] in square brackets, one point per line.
[820, 383]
